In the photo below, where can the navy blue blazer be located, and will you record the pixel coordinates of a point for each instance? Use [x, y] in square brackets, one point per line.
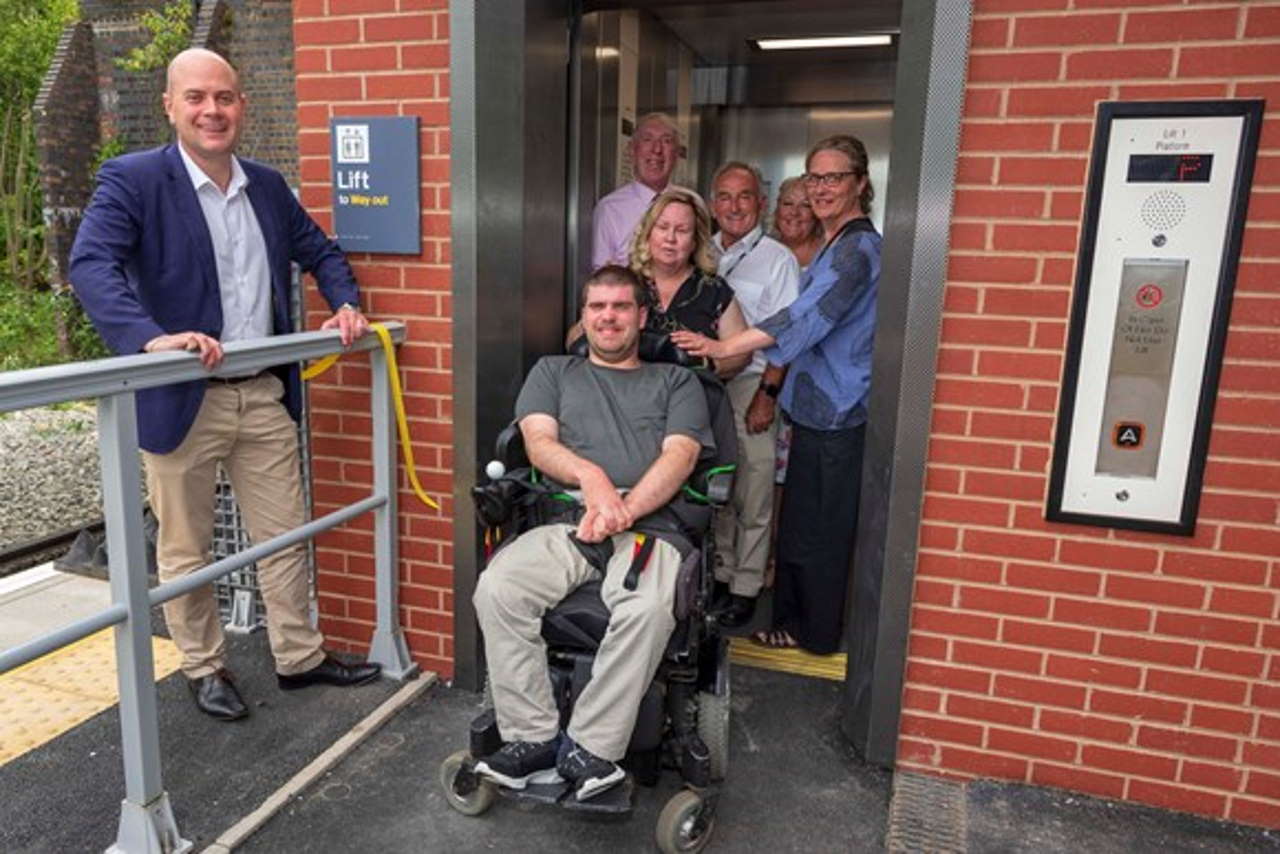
[143, 265]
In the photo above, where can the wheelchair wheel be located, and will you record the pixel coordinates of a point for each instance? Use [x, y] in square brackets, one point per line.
[469, 796]
[713, 727]
[685, 824]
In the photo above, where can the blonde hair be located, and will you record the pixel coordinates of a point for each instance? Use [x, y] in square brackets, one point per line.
[786, 187]
[703, 257]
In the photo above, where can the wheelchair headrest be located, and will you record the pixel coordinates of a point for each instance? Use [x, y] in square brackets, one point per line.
[654, 347]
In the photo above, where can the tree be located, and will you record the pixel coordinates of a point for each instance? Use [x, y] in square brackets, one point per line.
[29, 31]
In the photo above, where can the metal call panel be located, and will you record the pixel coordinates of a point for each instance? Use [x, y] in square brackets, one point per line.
[1146, 333]
[1159, 246]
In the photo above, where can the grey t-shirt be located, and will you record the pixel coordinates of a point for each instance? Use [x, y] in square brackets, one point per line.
[617, 418]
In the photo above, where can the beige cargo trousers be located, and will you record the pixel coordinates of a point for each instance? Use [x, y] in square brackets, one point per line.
[529, 576]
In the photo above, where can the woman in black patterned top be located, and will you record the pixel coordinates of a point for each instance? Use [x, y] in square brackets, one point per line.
[672, 252]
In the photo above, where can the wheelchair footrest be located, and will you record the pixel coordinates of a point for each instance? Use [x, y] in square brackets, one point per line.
[543, 794]
[615, 801]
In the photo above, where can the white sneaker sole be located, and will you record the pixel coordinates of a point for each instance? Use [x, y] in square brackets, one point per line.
[593, 786]
[547, 775]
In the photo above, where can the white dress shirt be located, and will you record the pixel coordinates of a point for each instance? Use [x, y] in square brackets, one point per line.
[764, 276]
[239, 251]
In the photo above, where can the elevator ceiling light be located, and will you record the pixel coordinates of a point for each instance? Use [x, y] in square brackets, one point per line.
[824, 41]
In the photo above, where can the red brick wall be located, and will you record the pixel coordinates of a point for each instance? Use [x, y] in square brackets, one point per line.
[391, 58]
[1116, 663]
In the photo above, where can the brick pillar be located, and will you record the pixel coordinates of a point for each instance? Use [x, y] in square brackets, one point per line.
[66, 111]
[1121, 664]
[390, 58]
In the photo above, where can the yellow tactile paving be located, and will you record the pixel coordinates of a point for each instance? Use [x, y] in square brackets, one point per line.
[41, 700]
[744, 651]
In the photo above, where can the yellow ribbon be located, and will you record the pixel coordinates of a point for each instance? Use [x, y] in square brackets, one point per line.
[318, 367]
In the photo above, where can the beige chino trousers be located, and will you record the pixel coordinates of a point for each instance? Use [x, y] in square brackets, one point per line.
[525, 579]
[246, 428]
[742, 528]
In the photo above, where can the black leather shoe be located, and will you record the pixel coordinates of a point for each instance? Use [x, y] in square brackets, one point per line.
[739, 611]
[331, 671]
[217, 697]
[720, 596]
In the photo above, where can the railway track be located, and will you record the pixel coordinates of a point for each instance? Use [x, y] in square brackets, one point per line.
[33, 552]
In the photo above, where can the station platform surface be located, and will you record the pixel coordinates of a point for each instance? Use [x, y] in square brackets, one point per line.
[794, 783]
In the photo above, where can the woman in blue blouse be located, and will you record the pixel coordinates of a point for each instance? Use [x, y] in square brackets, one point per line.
[826, 337]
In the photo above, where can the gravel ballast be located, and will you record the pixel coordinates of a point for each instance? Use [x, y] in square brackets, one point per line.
[49, 472]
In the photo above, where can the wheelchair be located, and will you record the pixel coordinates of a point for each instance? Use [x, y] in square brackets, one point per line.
[683, 721]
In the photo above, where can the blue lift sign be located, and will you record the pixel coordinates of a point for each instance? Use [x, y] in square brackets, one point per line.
[375, 184]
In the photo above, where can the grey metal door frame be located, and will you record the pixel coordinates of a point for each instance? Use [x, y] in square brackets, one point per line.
[928, 97]
[508, 78]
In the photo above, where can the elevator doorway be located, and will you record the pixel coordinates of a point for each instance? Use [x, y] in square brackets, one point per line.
[539, 135]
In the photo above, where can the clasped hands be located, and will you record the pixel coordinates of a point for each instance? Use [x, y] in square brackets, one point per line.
[349, 322]
[606, 513]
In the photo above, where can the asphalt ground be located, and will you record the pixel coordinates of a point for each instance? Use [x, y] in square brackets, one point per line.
[794, 784]
[65, 796]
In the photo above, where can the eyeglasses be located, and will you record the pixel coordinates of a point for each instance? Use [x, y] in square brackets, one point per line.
[826, 179]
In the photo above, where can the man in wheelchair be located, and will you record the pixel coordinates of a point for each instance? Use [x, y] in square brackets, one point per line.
[627, 434]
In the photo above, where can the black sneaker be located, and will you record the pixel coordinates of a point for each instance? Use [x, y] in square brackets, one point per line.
[519, 763]
[738, 612]
[589, 774]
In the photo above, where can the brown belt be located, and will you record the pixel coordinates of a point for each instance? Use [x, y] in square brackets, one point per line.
[235, 380]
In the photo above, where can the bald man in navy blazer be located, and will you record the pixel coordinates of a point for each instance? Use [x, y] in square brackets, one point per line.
[187, 247]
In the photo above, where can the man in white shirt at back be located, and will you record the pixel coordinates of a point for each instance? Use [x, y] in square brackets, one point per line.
[765, 278]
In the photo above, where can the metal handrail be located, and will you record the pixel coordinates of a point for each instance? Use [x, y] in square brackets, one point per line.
[146, 818]
[102, 377]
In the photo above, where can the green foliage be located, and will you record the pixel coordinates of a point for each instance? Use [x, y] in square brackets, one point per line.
[29, 321]
[110, 147]
[29, 31]
[170, 30]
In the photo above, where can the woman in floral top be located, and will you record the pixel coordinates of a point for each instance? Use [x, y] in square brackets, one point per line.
[672, 252]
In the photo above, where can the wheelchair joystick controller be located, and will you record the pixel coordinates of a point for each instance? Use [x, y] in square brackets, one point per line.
[494, 499]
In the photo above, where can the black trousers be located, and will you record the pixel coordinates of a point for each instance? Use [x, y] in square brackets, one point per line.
[816, 529]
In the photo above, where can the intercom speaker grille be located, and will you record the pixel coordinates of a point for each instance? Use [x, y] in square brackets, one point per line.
[1163, 210]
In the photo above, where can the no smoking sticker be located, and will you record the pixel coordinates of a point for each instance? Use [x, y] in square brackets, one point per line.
[1149, 295]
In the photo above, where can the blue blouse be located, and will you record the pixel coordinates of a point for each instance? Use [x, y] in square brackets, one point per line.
[827, 334]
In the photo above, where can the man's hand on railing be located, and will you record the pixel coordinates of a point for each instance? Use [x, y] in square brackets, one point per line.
[209, 349]
[349, 322]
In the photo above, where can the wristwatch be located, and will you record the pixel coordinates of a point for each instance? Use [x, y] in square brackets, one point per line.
[771, 389]
[349, 306]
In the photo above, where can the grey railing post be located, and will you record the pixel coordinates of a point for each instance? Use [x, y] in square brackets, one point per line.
[146, 820]
[388, 646]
